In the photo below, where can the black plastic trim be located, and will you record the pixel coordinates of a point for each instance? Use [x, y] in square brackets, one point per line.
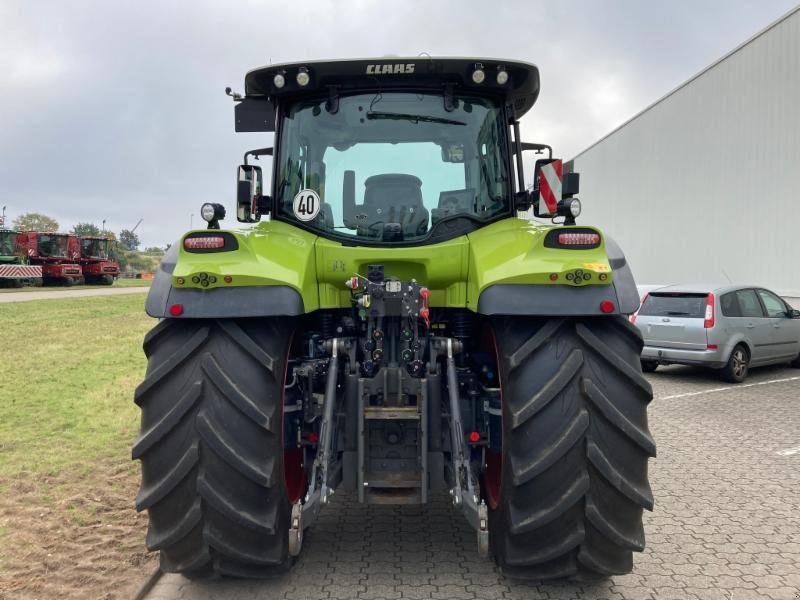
[256, 301]
[545, 300]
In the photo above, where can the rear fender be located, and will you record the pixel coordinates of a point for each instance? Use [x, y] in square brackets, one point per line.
[512, 272]
[271, 272]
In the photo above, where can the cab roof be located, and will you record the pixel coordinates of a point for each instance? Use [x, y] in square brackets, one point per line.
[396, 73]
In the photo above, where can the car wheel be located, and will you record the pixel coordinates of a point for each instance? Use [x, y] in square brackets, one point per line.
[648, 366]
[738, 365]
[796, 362]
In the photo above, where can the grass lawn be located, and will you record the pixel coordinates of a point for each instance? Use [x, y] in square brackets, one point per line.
[143, 283]
[67, 422]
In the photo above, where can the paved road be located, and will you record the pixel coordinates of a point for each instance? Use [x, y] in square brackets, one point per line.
[726, 523]
[70, 293]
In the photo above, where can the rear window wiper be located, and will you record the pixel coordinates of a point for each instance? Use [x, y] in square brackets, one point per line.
[412, 118]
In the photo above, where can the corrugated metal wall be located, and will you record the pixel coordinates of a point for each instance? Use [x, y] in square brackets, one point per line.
[705, 184]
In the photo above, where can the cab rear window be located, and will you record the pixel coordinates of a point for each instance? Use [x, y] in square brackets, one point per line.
[689, 306]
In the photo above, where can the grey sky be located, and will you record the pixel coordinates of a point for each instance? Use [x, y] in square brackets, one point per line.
[116, 111]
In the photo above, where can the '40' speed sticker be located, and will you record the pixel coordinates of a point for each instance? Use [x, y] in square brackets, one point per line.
[306, 205]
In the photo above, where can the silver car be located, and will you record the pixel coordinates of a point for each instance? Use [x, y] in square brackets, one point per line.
[730, 328]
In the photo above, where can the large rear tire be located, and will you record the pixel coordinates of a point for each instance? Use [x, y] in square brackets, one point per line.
[575, 448]
[211, 446]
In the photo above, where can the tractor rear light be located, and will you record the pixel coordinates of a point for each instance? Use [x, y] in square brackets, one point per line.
[227, 279]
[204, 242]
[578, 239]
[709, 320]
[176, 310]
[474, 437]
[181, 281]
[553, 276]
[603, 276]
[607, 307]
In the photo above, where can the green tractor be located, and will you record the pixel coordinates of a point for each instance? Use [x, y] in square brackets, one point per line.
[395, 327]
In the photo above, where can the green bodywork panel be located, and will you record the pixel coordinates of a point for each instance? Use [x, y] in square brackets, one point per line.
[509, 251]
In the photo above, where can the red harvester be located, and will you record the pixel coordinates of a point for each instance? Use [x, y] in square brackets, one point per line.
[98, 267]
[57, 253]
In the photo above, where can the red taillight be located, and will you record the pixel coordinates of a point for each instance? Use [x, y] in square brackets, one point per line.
[204, 242]
[474, 437]
[578, 239]
[709, 322]
[313, 438]
[176, 310]
[607, 307]
[712, 346]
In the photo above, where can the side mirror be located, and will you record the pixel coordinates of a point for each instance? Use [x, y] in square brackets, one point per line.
[547, 178]
[793, 313]
[250, 203]
[553, 191]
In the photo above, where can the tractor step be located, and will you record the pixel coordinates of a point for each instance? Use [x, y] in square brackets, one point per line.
[392, 412]
[393, 440]
[394, 496]
[408, 479]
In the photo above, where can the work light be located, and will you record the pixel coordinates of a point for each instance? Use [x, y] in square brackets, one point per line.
[574, 206]
[502, 76]
[207, 211]
[302, 77]
[212, 213]
[478, 75]
[279, 80]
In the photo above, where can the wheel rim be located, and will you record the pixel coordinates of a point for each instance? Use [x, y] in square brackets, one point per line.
[739, 360]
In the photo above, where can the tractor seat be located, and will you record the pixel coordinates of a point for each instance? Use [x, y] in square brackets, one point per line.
[396, 198]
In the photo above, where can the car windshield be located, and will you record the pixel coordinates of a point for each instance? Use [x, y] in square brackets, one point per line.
[692, 306]
[94, 248]
[8, 243]
[53, 245]
[388, 167]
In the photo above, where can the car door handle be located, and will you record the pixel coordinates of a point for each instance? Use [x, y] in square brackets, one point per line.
[750, 325]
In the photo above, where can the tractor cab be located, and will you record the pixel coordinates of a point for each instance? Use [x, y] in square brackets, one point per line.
[95, 248]
[411, 151]
[8, 246]
[53, 246]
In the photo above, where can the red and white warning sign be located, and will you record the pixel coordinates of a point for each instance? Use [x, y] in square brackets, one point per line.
[550, 176]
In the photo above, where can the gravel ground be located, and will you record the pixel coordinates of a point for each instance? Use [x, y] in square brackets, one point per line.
[726, 523]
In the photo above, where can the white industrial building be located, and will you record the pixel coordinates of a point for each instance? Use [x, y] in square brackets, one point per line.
[704, 185]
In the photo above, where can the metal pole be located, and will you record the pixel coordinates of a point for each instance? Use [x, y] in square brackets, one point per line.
[518, 152]
[191, 221]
